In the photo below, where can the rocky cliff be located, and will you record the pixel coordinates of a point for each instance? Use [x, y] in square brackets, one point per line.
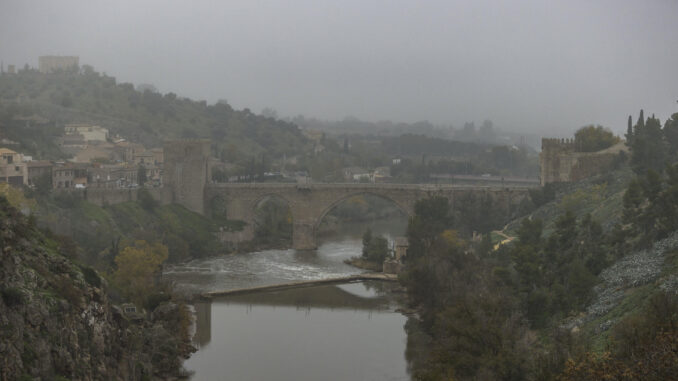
[58, 322]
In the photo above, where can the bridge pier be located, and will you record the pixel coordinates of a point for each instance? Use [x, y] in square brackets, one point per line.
[303, 236]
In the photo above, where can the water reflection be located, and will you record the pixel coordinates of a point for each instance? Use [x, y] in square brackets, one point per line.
[338, 332]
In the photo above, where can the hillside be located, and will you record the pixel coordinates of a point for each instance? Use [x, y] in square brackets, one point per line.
[57, 320]
[147, 117]
[101, 231]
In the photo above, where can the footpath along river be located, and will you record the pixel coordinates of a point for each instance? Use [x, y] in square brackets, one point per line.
[329, 332]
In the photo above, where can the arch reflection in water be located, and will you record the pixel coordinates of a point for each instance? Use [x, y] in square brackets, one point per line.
[345, 332]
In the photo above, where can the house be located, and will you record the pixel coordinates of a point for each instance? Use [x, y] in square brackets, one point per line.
[400, 248]
[67, 175]
[13, 170]
[357, 174]
[38, 169]
[381, 174]
[394, 265]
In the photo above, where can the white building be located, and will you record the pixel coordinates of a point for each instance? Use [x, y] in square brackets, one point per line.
[90, 133]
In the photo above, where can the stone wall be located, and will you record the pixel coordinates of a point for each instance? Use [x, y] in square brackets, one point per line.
[560, 163]
[111, 196]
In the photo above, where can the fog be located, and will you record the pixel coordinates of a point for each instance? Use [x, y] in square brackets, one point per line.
[535, 66]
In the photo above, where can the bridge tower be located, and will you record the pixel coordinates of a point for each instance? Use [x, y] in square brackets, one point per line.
[186, 172]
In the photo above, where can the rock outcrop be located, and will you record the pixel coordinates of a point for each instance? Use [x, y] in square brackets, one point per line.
[57, 321]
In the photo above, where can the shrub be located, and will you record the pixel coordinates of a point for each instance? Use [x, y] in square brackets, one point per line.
[155, 299]
[12, 296]
[146, 201]
[91, 276]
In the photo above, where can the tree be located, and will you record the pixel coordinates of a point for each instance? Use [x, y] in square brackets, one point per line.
[629, 131]
[367, 239]
[141, 175]
[146, 200]
[432, 217]
[649, 146]
[137, 266]
[594, 138]
[671, 134]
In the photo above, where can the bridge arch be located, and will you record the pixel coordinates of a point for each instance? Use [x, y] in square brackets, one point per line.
[404, 209]
[272, 219]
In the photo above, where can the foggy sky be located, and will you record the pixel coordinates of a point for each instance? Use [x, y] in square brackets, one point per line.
[535, 66]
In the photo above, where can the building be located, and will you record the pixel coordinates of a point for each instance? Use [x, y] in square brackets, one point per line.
[11, 69]
[89, 133]
[394, 265]
[101, 152]
[381, 174]
[113, 176]
[13, 170]
[38, 169]
[68, 175]
[145, 158]
[158, 155]
[357, 174]
[560, 162]
[51, 64]
[400, 248]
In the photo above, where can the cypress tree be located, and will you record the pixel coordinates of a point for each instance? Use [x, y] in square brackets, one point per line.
[629, 131]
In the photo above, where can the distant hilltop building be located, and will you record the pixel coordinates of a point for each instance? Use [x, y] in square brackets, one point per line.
[50, 64]
[560, 162]
[89, 133]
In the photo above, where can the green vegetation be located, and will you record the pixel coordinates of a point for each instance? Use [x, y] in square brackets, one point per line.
[643, 346]
[143, 116]
[594, 138]
[375, 248]
[66, 296]
[651, 205]
[100, 232]
[502, 314]
[137, 270]
[651, 145]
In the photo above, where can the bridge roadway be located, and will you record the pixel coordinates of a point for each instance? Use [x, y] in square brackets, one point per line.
[310, 202]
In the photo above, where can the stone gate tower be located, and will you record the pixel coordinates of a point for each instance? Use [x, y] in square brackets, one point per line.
[186, 172]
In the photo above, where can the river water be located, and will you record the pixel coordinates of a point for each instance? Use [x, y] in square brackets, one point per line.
[330, 332]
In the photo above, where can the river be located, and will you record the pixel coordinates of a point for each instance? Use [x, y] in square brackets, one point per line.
[332, 332]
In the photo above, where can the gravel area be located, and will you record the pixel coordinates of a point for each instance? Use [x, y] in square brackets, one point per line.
[633, 270]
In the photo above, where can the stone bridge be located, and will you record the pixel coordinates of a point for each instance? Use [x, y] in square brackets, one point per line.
[187, 182]
[309, 203]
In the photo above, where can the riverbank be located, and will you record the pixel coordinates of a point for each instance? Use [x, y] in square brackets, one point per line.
[364, 264]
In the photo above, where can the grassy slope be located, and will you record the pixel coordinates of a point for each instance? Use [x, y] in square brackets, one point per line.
[600, 195]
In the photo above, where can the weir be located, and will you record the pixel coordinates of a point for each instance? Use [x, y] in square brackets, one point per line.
[306, 283]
